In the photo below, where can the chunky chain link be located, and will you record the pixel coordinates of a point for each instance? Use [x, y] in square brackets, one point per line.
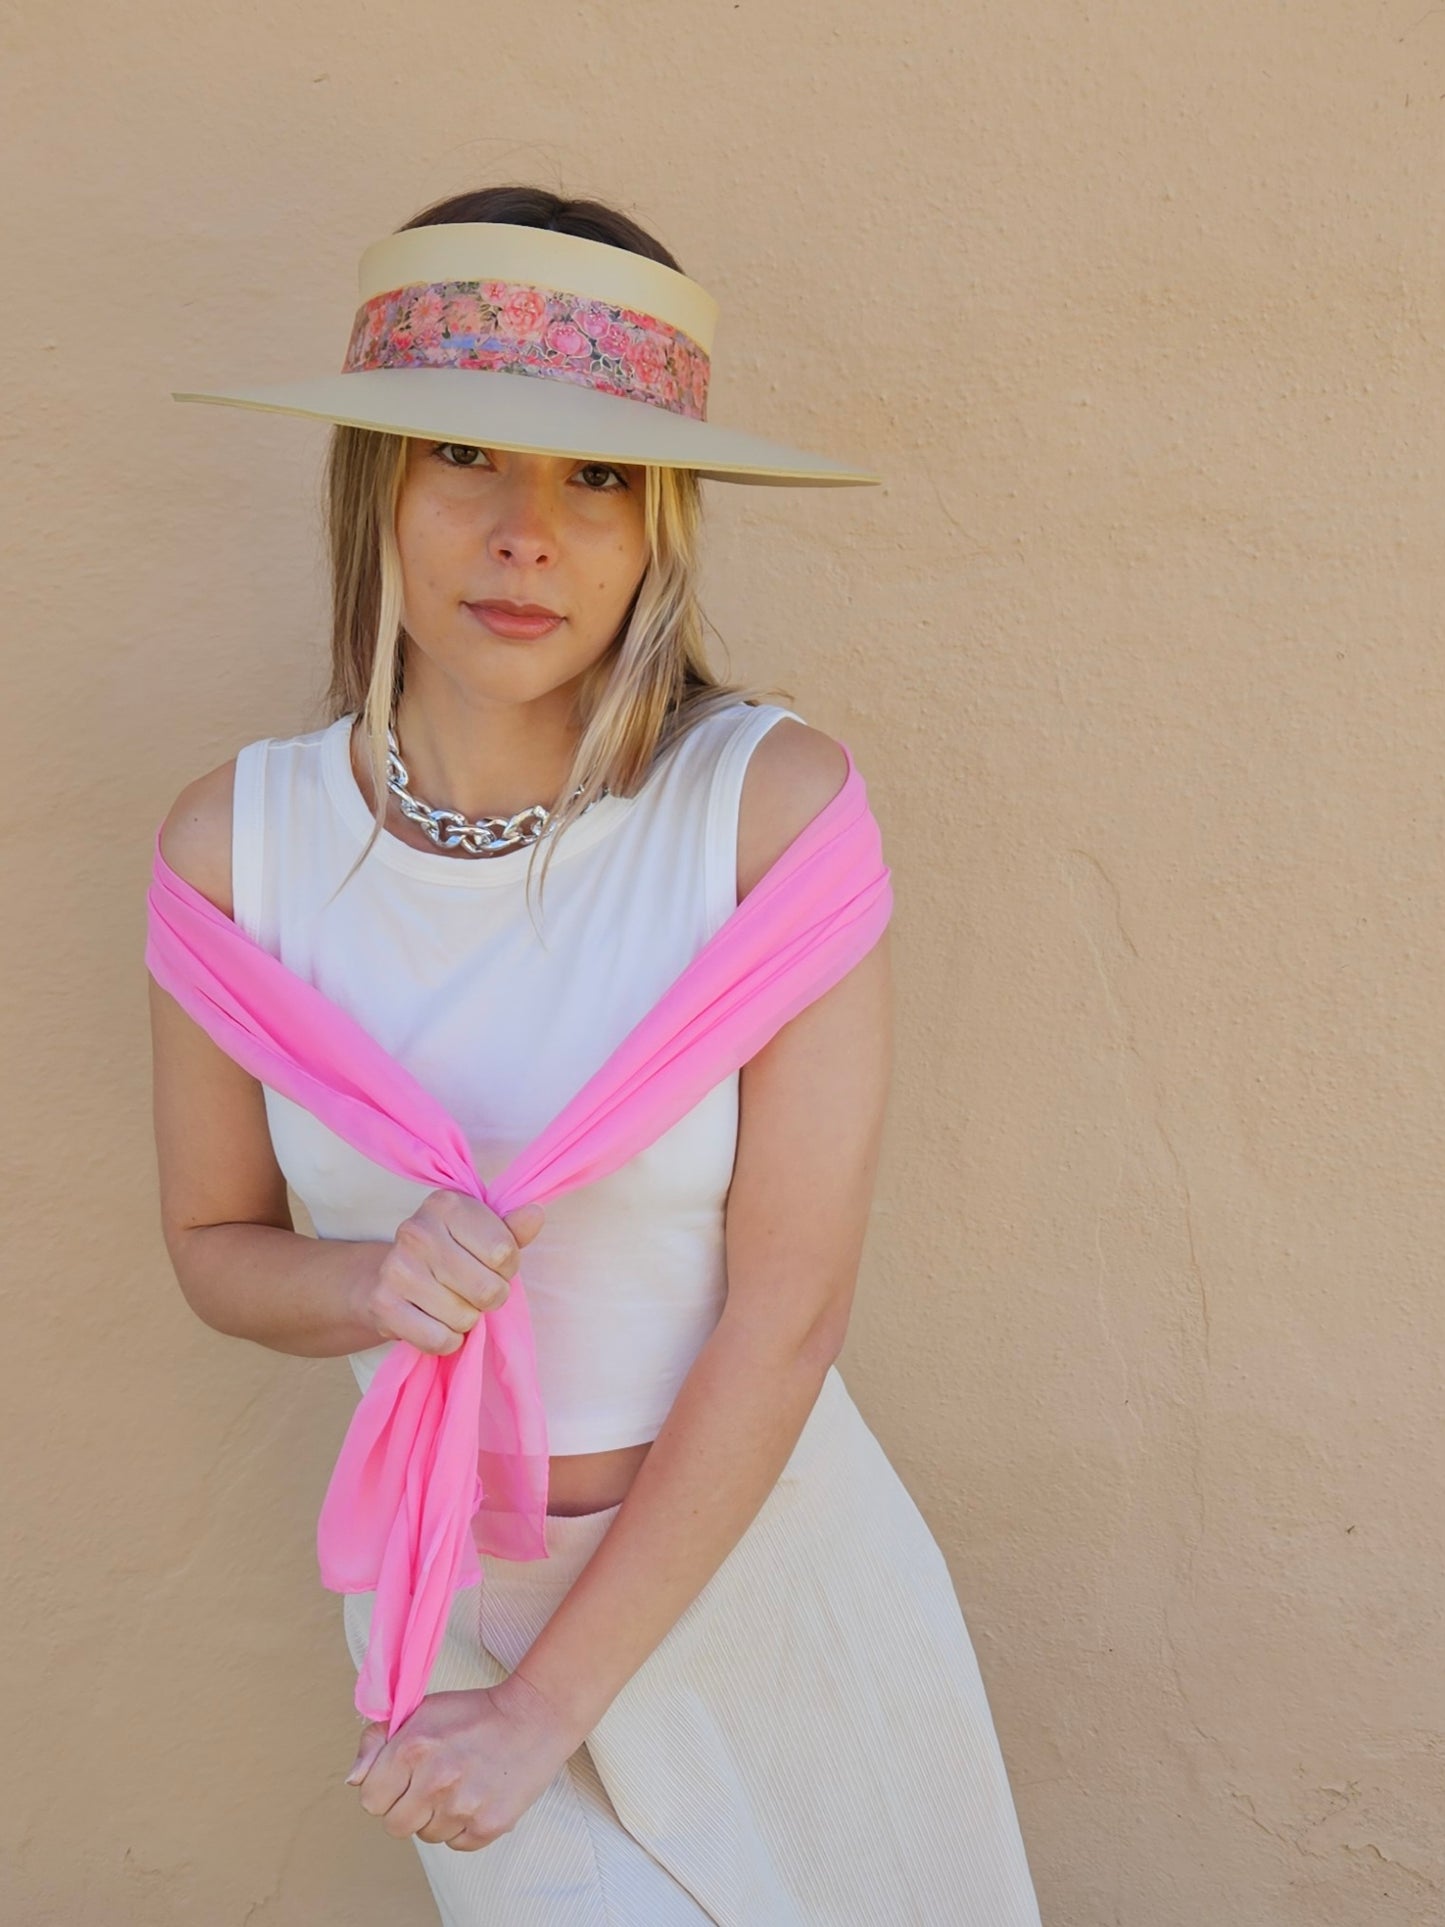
[450, 830]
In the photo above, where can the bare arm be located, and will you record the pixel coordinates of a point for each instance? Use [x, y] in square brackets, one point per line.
[241, 1265]
[810, 1129]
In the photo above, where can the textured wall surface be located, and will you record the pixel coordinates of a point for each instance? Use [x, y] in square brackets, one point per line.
[1138, 309]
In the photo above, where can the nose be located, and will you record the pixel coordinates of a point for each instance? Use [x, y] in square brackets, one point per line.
[524, 529]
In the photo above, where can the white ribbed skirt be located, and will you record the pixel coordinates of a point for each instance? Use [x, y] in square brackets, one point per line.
[809, 1746]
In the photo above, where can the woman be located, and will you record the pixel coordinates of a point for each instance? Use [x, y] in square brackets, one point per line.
[738, 1688]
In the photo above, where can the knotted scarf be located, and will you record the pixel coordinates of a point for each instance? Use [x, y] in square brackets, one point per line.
[447, 1454]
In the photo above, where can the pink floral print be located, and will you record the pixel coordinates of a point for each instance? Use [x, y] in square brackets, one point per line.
[523, 330]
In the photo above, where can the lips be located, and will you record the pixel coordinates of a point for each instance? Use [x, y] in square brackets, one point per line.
[513, 608]
[521, 621]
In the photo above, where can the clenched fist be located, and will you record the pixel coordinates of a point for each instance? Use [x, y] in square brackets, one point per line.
[448, 1263]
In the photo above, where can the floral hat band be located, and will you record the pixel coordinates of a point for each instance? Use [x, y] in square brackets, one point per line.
[520, 329]
[517, 337]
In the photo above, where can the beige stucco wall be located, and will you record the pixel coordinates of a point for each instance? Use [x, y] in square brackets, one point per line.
[1139, 309]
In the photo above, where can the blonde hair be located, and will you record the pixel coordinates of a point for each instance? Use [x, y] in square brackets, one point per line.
[648, 689]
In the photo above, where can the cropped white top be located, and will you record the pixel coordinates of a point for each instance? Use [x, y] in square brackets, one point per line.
[439, 957]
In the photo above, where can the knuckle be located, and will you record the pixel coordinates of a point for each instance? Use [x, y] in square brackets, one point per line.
[389, 1293]
[486, 1826]
[487, 1234]
[409, 1236]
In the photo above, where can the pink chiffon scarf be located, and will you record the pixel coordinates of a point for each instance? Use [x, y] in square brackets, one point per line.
[446, 1455]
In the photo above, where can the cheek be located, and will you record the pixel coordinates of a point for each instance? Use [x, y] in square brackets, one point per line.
[429, 539]
[626, 559]
[610, 559]
[622, 573]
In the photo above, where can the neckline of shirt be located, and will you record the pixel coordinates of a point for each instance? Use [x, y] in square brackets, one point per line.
[435, 866]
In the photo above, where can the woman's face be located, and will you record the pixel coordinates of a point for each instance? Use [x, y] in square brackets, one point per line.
[478, 525]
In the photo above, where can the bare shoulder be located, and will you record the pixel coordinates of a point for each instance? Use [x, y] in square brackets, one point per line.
[792, 775]
[196, 834]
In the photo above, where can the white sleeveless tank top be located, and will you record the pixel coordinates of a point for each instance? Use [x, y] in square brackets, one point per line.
[438, 957]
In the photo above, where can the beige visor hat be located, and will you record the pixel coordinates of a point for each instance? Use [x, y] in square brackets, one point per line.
[500, 336]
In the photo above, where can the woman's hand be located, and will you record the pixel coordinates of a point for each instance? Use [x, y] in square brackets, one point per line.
[449, 1262]
[466, 1766]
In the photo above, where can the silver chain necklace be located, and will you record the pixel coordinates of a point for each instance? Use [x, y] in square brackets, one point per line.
[450, 830]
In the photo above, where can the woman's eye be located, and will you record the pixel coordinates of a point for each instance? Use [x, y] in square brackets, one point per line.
[603, 468]
[475, 457]
[443, 449]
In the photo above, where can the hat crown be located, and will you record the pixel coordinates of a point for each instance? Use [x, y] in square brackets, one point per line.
[451, 251]
[492, 298]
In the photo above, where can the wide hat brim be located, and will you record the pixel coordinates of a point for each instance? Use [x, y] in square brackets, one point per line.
[534, 414]
[457, 340]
